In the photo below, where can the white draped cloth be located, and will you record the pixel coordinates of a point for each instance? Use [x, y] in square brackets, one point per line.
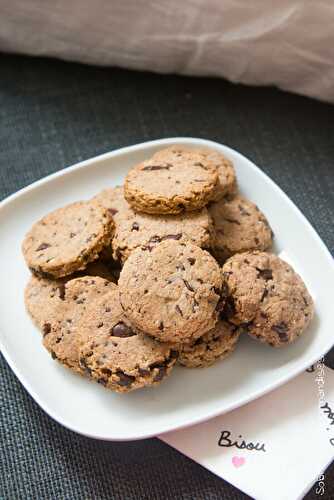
[287, 43]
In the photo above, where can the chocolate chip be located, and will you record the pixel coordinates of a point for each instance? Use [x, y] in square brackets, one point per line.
[199, 164]
[72, 235]
[173, 355]
[172, 237]
[265, 274]
[191, 261]
[100, 325]
[53, 355]
[124, 380]
[157, 167]
[83, 365]
[282, 330]
[112, 211]
[257, 241]
[61, 291]
[46, 329]
[122, 330]
[161, 325]
[190, 288]
[144, 371]
[178, 309]
[42, 246]
[135, 226]
[242, 210]
[263, 315]
[264, 295]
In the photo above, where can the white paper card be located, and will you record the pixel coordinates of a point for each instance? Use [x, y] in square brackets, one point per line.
[273, 448]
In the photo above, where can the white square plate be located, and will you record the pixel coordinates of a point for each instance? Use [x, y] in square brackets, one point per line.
[188, 396]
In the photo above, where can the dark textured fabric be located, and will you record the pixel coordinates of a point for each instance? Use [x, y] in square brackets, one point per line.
[54, 114]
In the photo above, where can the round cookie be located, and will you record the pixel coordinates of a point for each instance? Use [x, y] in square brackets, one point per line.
[42, 295]
[267, 297]
[171, 291]
[227, 181]
[60, 336]
[239, 226]
[134, 229]
[182, 181]
[217, 344]
[67, 239]
[114, 355]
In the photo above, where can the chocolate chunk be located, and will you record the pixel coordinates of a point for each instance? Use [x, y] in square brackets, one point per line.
[144, 371]
[282, 330]
[264, 295]
[265, 274]
[191, 261]
[158, 167]
[122, 330]
[46, 329]
[172, 237]
[124, 380]
[42, 246]
[178, 309]
[61, 291]
[135, 226]
[190, 288]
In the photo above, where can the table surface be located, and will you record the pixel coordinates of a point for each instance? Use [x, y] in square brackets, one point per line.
[54, 114]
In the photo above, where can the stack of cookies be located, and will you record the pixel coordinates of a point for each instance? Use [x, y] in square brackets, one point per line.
[172, 267]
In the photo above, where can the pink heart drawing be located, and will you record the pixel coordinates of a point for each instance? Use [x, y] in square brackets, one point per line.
[238, 461]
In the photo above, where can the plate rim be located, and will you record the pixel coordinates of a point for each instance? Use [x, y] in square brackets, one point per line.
[129, 149]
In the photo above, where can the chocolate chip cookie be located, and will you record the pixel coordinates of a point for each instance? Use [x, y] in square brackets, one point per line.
[171, 291]
[238, 226]
[180, 181]
[266, 297]
[134, 229]
[114, 354]
[60, 334]
[42, 295]
[217, 344]
[67, 239]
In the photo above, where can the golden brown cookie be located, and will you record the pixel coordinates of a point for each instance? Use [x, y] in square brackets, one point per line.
[238, 226]
[171, 291]
[266, 297]
[67, 239]
[178, 182]
[216, 344]
[60, 334]
[134, 229]
[114, 354]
